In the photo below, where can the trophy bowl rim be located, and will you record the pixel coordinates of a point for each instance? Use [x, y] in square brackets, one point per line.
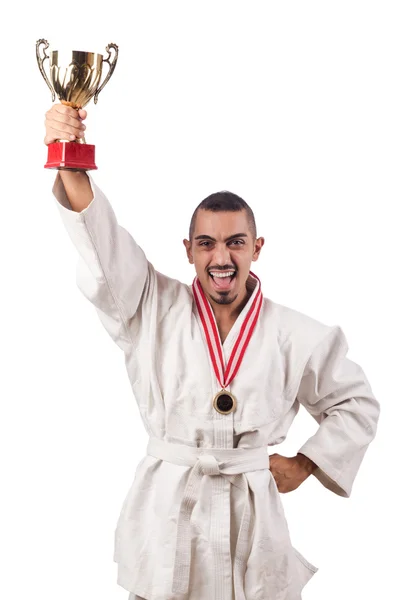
[52, 52]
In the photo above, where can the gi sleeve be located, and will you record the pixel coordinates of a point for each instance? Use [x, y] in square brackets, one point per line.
[336, 392]
[112, 269]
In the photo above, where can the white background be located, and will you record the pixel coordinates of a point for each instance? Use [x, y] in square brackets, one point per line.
[291, 105]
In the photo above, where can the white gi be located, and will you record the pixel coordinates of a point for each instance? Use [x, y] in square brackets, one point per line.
[203, 519]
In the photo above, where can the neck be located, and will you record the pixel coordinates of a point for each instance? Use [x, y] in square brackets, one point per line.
[228, 313]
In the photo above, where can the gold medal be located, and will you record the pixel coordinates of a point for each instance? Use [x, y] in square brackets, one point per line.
[224, 402]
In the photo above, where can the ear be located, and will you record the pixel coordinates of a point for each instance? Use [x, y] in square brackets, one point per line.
[259, 243]
[188, 246]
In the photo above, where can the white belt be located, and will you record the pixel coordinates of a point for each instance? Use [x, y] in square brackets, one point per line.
[231, 464]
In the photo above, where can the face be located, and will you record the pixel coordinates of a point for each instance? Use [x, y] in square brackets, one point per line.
[222, 249]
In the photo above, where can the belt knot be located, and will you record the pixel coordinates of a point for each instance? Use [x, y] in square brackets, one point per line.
[209, 465]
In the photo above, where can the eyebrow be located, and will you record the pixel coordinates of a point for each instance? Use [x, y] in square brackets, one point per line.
[231, 237]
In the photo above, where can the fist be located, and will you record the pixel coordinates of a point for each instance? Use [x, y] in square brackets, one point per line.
[290, 472]
[64, 123]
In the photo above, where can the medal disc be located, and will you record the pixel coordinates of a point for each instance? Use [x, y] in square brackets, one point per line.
[225, 402]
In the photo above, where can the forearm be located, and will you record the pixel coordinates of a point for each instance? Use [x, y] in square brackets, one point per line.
[113, 270]
[78, 189]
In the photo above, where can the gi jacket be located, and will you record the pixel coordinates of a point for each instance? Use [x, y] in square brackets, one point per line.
[203, 519]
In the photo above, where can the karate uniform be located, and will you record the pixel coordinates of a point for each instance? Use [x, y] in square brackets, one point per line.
[203, 518]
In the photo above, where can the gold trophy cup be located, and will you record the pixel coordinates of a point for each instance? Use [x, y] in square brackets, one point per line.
[75, 78]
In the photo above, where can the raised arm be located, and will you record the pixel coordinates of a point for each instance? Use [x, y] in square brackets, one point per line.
[112, 270]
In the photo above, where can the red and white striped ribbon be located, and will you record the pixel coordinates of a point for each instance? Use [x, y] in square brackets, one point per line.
[225, 376]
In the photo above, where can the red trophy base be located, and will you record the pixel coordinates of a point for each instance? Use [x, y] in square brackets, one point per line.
[71, 155]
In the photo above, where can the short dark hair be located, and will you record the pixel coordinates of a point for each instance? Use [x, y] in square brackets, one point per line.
[224, 201]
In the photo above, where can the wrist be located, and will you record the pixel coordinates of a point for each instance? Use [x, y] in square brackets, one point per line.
[306, 463]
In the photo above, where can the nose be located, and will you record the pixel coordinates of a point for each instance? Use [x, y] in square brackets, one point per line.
[221, 255]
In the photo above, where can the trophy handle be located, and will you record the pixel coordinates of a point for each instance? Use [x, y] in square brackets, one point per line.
[112, 66]
[40, 62]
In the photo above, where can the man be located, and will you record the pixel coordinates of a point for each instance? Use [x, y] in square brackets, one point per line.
[219, 372]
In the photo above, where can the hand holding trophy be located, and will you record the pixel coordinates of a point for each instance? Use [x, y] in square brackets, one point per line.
[75, 79]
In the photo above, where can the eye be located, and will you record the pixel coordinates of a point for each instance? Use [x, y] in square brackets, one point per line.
[204, 243]
[238, 242]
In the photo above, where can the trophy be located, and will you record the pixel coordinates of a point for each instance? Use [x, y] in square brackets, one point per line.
[75, 78]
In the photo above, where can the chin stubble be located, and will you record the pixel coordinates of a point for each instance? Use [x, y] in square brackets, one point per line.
[223, 299]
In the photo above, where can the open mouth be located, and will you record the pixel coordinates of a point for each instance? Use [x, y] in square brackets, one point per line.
[222, 280]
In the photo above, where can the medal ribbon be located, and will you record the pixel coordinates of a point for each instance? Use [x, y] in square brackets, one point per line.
[225, 376]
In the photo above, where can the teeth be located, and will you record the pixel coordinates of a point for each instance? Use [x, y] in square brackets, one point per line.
[222, 275]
